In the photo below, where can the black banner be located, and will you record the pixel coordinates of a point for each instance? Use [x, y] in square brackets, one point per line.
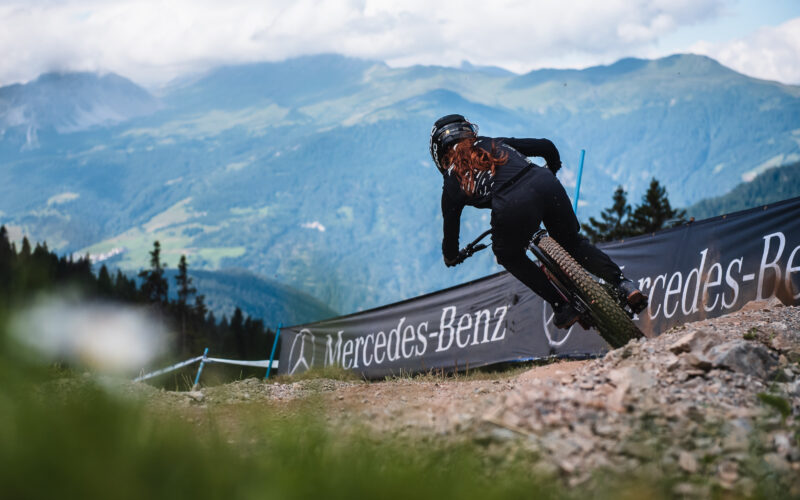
[700, 270]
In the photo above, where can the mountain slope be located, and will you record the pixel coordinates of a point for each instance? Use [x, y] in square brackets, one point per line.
[775, 184]
[72, 102]
[257, 297]
[315, 171]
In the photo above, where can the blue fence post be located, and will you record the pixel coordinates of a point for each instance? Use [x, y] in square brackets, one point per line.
[200, 369]
[578, 184]
[274, 346]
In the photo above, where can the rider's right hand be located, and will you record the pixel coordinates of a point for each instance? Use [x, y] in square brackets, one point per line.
[452, 262]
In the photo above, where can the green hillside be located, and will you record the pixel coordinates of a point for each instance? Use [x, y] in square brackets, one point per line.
[258, 297]
[773, 185]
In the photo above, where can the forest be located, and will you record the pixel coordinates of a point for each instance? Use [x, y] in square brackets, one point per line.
[31, 270]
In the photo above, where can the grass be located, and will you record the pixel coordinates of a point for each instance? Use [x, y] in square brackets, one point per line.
[89, 443]
[65, 435]
[491, 372]
[333, 372]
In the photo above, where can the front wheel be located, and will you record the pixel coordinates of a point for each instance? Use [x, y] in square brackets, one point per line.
[613, 324]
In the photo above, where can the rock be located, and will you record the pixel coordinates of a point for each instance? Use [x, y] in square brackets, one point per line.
[639, 450]
[688, 490]
[691, 361]
[615, 401]
[785, 340]
[634, 377]
[744, 357]
[497, 435]
[782, 444]
[777, 462]
[697, 341]
[605, 430]
[794, 388]
[746, 486]
[728, 472]
[545, 468]
[687, 462]
[762, 305]
[736, 436]
[196, 395]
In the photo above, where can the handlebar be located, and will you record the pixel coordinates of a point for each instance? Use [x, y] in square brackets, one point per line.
[472, 247]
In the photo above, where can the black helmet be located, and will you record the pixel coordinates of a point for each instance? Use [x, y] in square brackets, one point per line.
[447, 131]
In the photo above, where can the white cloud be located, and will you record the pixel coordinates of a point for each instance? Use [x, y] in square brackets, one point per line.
[62, 198]
[314, 225]
[152, 41]
[771, 53]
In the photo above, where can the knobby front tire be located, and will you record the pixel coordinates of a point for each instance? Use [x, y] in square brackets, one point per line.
[613, 324]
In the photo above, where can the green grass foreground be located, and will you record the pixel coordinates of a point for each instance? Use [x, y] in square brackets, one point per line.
[66, 435]
[90, 444]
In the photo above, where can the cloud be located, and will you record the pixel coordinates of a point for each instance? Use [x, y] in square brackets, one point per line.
[62, 198]
[152, 41]
[771, 53]
[314, 225]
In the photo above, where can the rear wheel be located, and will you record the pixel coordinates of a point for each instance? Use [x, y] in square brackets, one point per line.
[614, 325]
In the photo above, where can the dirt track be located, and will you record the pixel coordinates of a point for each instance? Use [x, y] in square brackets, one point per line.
[715, 399]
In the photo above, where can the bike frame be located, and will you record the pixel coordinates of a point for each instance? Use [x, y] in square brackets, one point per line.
[550, 269]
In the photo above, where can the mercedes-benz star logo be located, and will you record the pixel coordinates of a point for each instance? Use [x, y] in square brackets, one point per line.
[296, 360]
[555, 336]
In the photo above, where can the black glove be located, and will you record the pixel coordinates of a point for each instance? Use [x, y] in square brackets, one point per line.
[452, 262]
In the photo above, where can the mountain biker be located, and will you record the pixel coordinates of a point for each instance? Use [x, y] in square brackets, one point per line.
[495, 173]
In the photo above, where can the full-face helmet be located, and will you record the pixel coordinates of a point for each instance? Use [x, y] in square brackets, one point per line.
[446, 132]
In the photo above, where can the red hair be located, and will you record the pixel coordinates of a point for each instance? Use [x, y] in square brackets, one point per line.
[467, 161]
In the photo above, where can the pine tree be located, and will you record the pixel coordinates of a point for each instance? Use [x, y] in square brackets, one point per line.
[154, 285]
[211, 320]
[124, 288]
[7, 258]
[104, 286]
[655, 212]
[200, 308]
[185, 290]
[237, 329]
[615, 220]
[25, 253]
[184, 282]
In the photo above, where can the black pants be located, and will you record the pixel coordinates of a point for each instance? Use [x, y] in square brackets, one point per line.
[517, 213]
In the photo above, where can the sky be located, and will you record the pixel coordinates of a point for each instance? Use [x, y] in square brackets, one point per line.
[155, 41]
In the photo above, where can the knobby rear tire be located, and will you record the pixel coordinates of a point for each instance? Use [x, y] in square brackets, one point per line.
[613, 324]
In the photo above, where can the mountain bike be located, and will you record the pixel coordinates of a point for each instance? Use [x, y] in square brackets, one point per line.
[600, 305]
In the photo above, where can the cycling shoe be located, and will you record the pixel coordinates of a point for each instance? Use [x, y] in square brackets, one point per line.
[564, 316]
[633, 296]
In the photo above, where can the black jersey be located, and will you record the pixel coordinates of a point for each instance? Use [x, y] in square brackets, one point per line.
[454, 199]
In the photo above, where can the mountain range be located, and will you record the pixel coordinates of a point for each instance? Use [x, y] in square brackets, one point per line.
[314, 172]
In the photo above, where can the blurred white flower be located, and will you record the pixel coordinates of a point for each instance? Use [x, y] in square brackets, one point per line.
[103, 337]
